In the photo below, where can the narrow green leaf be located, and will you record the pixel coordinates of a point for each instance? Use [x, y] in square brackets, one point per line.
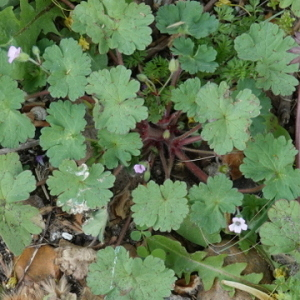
[208, 268]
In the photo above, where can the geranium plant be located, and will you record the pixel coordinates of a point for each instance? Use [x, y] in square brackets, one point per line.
[203, 97]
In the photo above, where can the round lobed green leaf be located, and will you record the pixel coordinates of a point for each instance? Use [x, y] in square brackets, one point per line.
[211, 201]
[114, 24]
[119, 110]
[117, 276]
[81, 188]
[68, 67]
[161, 207]
[63, 140]
[281, 234]
[271, 159]
[186, 18]
[15, 127]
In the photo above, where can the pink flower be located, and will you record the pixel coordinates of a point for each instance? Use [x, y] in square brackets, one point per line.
[13, 53]
[238, 224]
[139, 168]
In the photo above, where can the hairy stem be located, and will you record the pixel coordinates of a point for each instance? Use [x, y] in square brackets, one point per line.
[190, 165]
[252, 190]
[188, 133]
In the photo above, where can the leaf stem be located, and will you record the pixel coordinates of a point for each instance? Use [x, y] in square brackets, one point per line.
[297, 129]
[190, 165]
[119, 57]
[68, 3]
[201, 152]
[252, 189]
[297, 133]
[38, 94]
[188, 133]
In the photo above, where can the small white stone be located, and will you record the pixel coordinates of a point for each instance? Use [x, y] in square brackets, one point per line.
[67, 236]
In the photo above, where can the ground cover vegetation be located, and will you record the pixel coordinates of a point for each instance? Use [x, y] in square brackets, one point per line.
[149, 148]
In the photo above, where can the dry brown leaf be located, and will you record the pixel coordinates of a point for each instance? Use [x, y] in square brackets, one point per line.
[74, 260]
[41, 267]
[234, 160]
[58, 290]
[32, 292]
[182, 288]
[120, 204]
[86, 294]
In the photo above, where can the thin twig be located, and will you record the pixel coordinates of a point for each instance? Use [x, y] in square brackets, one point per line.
[29, 144]
[39, 177]
[35, 251]
[124, 230]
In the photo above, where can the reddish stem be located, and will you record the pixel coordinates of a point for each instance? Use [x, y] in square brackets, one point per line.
[68, 3]
[190, 165]
[38, 94]
[297, 133]
[188, 133]
[297, 137]
[113, 57]
[164, 163]
[88, 99]
[252, 190]
[119, 58]
[190, 140]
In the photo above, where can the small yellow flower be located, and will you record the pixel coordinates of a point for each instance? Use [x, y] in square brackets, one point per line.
[68, 22]
[84, 43]
[222, 2]
[280, 272]
[12, 282]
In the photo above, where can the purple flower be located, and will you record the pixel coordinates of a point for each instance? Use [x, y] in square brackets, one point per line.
[140, 169]
[40, 159]
[13, 53]
[238, 224]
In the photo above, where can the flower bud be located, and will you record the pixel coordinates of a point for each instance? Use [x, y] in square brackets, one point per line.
[173, 65]
[36, 51]
[142, 77]
[23, 57]
[147, 176]
[166, 134]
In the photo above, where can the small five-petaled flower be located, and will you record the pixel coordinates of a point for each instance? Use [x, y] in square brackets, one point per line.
[238, 224]
[13, 53]
[138, 168]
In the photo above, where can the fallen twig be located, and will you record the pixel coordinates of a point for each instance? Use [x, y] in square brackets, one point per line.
[29, 144]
